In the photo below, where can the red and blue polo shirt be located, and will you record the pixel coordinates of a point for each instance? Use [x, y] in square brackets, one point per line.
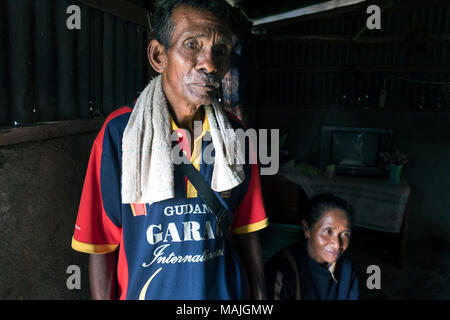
[169, 250]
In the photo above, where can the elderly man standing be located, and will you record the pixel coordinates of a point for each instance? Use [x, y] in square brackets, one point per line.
[149, 233]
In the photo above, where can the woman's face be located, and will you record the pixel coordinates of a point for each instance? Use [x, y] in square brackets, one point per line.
[329, 237]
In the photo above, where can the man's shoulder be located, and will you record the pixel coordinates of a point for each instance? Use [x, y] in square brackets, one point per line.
[120, 116]
[115, 123]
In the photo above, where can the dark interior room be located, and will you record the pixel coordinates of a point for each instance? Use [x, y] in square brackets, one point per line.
[356, 92]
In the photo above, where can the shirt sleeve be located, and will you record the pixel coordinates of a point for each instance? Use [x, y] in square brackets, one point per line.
[251, 216]
[95, 232]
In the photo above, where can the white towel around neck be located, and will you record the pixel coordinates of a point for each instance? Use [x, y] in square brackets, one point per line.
[147, 164]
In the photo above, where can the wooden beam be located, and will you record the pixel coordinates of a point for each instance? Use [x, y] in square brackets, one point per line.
[393, 38]
[359, 8]
[357, 69]
[341, 11]
[336, 38]
[304, 11]
[49, 130]
[267, 108]
[122, 9]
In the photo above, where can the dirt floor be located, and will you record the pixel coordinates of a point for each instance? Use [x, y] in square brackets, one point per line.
[424, 275]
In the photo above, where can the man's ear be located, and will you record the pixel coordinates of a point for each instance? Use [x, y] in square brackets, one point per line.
[305, 229]
[157, 56]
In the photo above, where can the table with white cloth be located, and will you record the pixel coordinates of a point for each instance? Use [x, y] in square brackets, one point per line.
[378, 205]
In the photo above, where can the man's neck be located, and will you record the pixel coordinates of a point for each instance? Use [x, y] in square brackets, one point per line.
[185, 117]
[183, 113]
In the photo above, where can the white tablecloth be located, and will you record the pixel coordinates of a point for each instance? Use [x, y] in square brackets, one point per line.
[378, 205]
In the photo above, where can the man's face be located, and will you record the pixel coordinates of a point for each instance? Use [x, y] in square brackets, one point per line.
[198, 57]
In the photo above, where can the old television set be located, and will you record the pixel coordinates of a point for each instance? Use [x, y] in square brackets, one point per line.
[355, 151]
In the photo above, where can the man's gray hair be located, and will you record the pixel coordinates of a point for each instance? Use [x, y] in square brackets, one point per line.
[164, 25]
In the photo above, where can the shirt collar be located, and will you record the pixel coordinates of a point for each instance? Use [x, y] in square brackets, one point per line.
[331, 268]
[174, 127]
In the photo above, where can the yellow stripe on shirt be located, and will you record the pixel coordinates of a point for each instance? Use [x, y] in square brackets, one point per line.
[251, 227]
[196, 157]
[93, 248]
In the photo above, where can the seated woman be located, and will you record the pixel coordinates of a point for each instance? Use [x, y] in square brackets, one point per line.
[314, 269]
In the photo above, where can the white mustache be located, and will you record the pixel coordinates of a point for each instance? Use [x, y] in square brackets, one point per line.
[209, 80]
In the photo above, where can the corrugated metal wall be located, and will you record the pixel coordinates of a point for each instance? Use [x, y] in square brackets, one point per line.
[50, 73]
[312, 73]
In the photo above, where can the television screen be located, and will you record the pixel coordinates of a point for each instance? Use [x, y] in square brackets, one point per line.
[355, 149]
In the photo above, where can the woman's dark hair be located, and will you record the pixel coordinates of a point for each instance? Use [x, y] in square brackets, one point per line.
[163, 25]
[320, 204]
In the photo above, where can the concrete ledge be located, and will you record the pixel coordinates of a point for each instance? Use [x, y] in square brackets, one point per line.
[50, 130]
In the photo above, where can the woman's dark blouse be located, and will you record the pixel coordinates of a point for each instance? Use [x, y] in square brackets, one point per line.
[316, 282]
